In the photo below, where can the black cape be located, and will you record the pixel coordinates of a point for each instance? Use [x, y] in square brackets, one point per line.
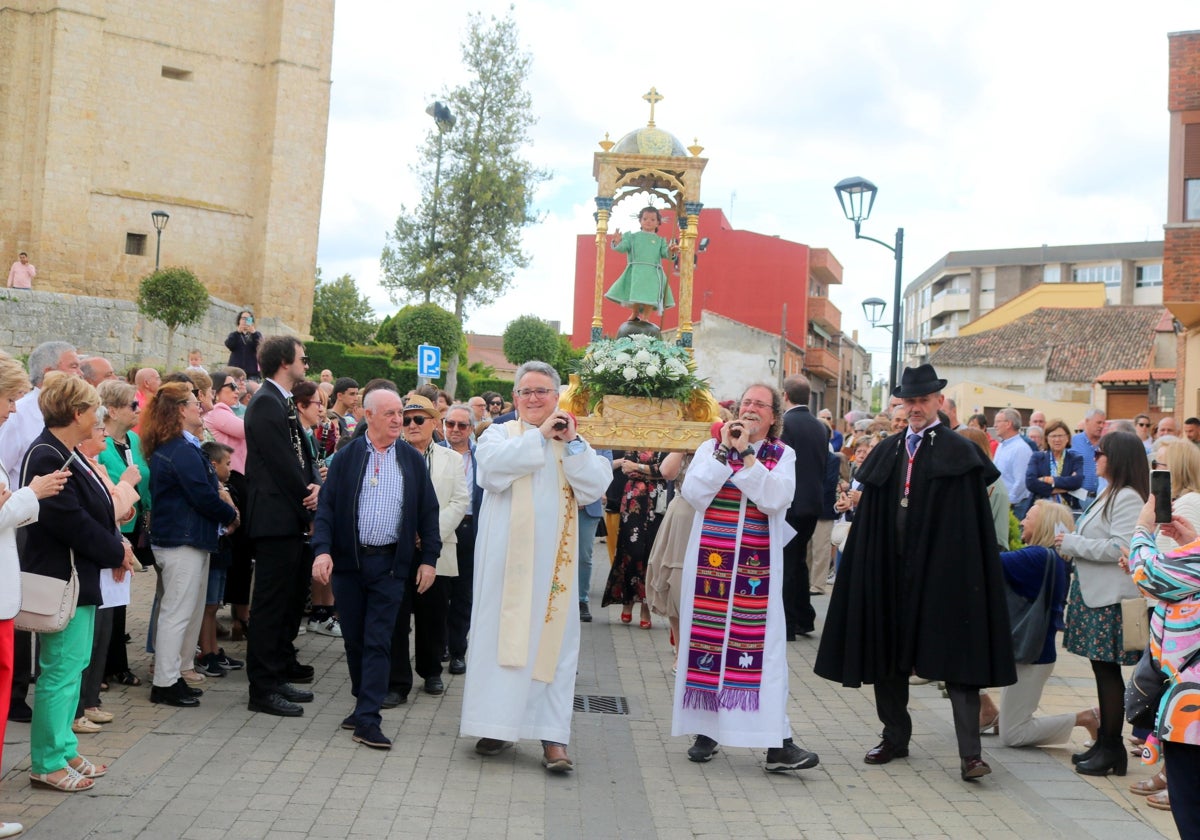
[939, 608]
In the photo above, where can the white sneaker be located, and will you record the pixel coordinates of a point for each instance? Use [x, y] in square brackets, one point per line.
[329, 627]
[10, 829]
[303, 629]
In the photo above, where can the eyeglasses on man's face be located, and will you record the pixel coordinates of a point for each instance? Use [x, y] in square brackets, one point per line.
[418, 419]
[526, 393]
[754, 404]
[1144, 425]
[457, 424]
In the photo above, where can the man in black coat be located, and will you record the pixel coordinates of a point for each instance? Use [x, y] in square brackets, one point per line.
[920, 589]
[809, 439]
[280, 500]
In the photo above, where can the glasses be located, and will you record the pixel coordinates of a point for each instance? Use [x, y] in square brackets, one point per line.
[457, 424]
[1144, 425]
[525, 393]
[230, 385]
[496, 402]
[419, 419]
[754, 404]
[304, 360]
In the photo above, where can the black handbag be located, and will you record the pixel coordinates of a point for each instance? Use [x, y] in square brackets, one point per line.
[1146, 687]
[1030, 620]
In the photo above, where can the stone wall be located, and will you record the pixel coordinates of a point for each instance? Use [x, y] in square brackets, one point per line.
[115, 329]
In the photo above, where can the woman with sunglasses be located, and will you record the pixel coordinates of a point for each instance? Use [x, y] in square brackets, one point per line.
[123, 450]
[1098, 587]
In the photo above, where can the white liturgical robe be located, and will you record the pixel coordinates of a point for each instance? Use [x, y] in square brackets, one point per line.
[506, 702]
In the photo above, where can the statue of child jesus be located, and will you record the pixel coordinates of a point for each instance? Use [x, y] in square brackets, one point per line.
[643, 283]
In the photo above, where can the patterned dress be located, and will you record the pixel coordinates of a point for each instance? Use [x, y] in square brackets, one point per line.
[639, 526]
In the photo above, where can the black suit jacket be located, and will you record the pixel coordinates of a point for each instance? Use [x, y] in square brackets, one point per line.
[80, 518]
[807, 437]
[276, 483]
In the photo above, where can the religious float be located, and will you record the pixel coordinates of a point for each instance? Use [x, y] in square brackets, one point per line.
[636, 391]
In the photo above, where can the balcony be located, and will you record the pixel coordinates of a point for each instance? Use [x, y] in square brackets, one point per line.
[827, 316]
[824, 265]
[950, 300]
[822, 363]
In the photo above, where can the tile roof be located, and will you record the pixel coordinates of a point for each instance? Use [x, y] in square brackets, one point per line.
[1073, 345]
[1139, 375]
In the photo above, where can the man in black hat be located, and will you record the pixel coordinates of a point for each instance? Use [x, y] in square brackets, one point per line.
[920, 589]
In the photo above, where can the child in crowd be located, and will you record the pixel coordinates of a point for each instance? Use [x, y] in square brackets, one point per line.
[195, 361]
[213, 661]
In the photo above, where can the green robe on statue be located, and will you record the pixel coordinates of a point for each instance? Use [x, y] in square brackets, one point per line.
[643, 281]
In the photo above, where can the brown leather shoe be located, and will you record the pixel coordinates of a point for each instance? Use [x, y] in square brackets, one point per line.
[885, 752]
[974, 767]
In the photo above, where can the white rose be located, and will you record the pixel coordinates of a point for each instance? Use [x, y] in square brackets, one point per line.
[652, 370]
[598, 369]
[643, 356]
[630, 374]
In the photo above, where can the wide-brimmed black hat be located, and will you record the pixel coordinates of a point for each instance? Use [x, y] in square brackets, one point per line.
[919, 381]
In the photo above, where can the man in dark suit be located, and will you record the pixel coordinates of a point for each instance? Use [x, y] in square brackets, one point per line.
[281, 499]
[809, 439]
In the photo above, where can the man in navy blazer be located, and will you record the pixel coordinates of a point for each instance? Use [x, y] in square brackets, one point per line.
[378, 515]
[809, 439]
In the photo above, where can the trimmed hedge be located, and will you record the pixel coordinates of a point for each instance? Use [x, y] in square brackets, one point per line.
[364, 364]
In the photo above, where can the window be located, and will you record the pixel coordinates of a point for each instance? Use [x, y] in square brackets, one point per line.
[1109, 275]
[176, 74]
[135, 244]
[1051, 274]
[1191, 200]
[1149, 275]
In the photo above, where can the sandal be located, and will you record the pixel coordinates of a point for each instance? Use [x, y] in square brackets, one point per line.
[72, 782]
[86, 769]
[127, 677]
[1145, 787]
[1159, 800]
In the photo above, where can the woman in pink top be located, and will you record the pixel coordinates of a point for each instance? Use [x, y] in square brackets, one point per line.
[229, 429]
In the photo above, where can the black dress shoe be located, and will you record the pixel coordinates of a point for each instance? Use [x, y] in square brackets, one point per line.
[885, 752]
[19, 712]
[458, 665]
[274, 704]
[434, 685]
[185, 690]
[350, 722]
[585, 614]
[702, 749]
[172, 696]
[372, 736]
[393, 699]
[297, 673]
[973, 767]
[292, 694]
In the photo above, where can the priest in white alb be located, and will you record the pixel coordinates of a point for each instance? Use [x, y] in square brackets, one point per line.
[732, 684]
[535, 472]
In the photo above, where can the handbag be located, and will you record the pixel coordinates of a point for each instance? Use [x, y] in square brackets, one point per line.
[47, 603]
[1146, 687]
[1030, 620]
[1135, 623]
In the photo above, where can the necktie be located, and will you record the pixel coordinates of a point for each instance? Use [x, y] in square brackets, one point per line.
[913, 441]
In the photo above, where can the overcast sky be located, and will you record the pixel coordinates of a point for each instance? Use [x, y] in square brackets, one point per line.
[984, 125]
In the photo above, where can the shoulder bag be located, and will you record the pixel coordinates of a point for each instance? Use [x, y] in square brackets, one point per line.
[1135, 623]
[1031, 619]
[47, 603]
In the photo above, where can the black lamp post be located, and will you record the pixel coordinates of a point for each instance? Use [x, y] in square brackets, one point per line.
[445, 121]
[160, 219]
[857, 197]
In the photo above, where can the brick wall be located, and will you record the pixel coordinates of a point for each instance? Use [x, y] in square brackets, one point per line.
[1183, 92]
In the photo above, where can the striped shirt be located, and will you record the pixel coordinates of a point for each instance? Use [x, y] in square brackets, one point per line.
[381, 500]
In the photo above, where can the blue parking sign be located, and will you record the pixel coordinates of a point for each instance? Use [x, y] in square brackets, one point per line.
[429, 361]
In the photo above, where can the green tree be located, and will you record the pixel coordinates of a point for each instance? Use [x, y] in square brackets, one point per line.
[462, 242]
[174, 296]
[340, 313]
[529, 337]
[423, 323]
[567, 357]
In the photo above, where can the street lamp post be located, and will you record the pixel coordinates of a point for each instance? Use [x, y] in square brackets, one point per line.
[857, 197]
[160, 219]
[445, 120]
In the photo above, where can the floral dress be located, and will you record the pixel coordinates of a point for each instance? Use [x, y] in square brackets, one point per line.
[640, 518]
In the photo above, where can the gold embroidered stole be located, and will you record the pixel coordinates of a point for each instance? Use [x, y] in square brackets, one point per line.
[516, 600]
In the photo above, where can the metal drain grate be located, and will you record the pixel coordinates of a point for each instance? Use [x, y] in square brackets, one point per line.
[601, 704]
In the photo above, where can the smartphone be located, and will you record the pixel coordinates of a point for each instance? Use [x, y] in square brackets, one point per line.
[1160, 488]
[250, 319]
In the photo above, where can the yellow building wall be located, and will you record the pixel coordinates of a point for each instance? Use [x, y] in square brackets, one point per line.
[1042, 296]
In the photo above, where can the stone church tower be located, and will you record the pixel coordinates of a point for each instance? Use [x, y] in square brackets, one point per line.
[215, 112]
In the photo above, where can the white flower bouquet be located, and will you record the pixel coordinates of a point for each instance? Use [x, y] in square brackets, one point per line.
[638, 366]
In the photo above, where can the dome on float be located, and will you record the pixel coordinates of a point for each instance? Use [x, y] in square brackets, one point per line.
[650, 140]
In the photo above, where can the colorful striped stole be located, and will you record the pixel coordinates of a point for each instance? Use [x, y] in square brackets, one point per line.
[726, 645]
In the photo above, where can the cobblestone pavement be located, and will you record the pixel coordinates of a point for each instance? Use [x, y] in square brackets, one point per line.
[220, 771]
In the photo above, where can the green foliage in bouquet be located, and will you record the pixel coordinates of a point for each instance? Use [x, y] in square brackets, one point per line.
[638, 366]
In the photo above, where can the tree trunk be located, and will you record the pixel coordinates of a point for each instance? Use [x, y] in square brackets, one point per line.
[452, 378]
[170, 348]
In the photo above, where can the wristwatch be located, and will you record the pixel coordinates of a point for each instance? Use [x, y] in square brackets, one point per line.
[747, 452]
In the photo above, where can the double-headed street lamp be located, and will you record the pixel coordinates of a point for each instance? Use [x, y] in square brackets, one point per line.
[857, 197]
[445, 120]
[160, 219]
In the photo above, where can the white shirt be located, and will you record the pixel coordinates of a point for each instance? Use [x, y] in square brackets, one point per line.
[18, 434]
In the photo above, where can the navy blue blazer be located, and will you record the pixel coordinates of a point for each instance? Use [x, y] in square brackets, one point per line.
[80, 518]
[1070, 479]
[336, 529]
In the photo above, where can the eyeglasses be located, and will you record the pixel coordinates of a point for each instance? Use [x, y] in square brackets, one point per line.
[457, 424]
[304, 360]
[525, 393]
[419, 419]
[230, 385]
[755, 404]
[496, 402]
[1144, 425]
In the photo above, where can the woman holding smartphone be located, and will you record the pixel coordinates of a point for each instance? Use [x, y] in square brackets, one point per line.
[243, 345]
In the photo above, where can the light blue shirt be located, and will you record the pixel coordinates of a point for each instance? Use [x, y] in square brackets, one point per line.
[381, 499]
[1087, 451]
[1011, 458]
